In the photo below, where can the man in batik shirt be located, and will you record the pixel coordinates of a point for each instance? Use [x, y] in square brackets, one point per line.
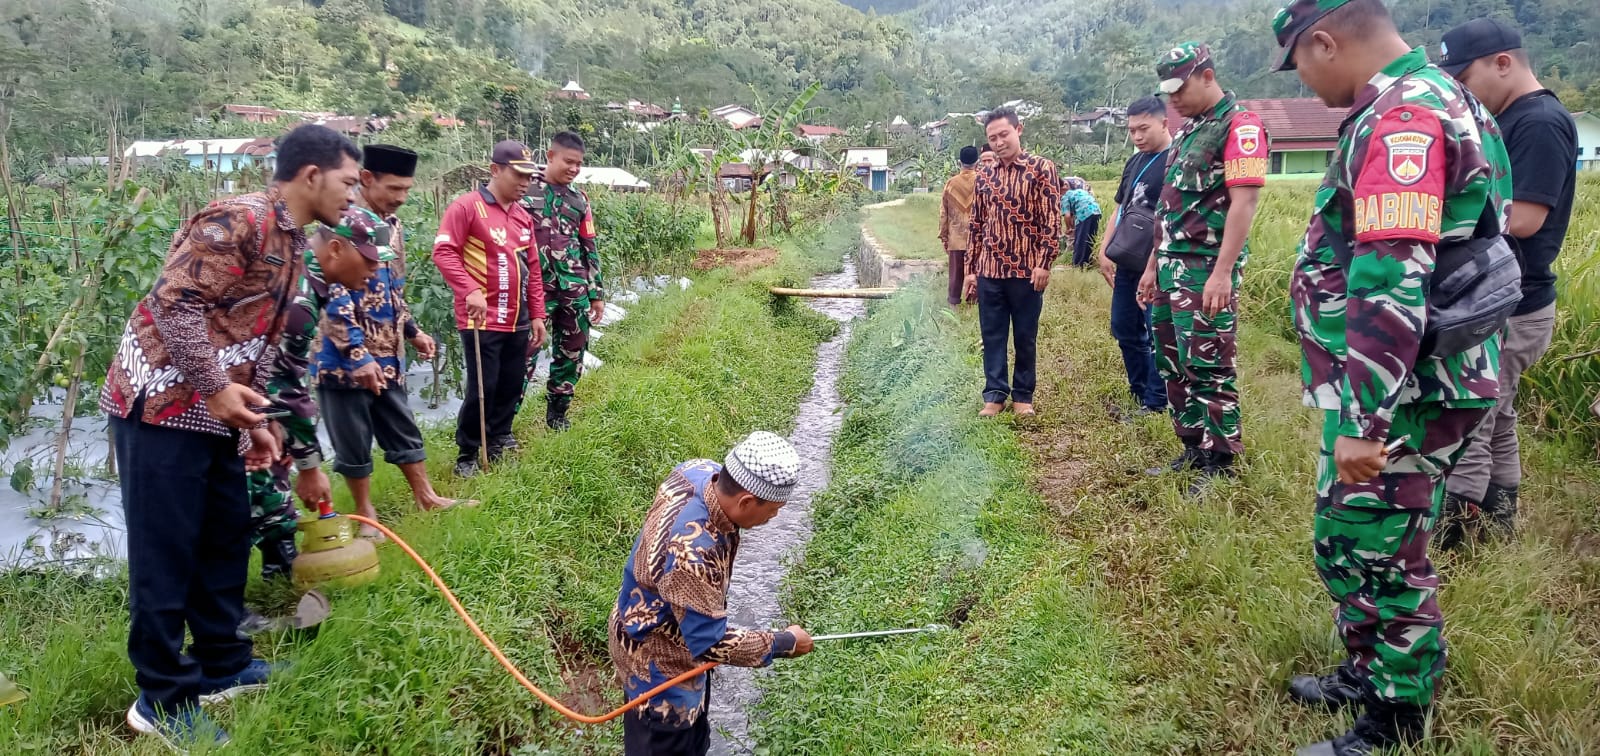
[672, 614]
[1014, 238]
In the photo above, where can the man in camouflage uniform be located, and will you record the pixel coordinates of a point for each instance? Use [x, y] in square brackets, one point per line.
[1419, 161]
[273, 516]
[574, 295]
[1215, 170]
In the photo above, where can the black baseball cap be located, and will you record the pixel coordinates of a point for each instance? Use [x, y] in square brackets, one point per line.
[1475, 39]
[515, 154]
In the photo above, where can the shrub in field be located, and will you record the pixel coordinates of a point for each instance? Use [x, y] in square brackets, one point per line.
[644, 233]
[74, 266]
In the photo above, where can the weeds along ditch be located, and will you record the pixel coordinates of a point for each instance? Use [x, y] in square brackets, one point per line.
[930, 519]
[1098, 611]
[393, 671]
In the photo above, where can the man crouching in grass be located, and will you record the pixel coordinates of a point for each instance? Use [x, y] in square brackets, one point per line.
[671, 613]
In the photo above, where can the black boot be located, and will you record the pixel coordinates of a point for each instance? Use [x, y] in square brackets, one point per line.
[277, 557]
[1383, 725]
[505, 443]
[1213, 465]
[555, 412]
[1500, 511]
[1461, 518]
[1191, 458]
[1335, 691]
[1220, 464]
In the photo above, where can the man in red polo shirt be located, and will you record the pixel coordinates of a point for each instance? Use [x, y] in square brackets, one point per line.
[483, 251]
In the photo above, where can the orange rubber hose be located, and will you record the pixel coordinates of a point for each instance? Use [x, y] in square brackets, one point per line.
[501, 657]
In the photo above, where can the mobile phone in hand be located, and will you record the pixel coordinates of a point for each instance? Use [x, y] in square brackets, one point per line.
[271, 413]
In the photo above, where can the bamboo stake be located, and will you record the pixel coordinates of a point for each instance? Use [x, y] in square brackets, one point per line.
[834, 293]
[71, 406]
[67, 410]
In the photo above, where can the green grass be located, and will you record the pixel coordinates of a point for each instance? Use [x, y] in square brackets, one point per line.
[909, 231]
[393, 671]
[1112, 615]
[929, 519]
[1556, 392]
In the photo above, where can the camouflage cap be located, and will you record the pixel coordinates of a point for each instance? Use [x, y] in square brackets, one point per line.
[370, 235]
[1181, 62]
[1293, 20]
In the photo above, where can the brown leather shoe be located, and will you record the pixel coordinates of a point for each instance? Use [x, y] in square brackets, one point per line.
[991, 409]
[1023, 409]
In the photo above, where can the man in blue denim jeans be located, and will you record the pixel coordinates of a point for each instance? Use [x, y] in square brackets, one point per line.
[1142, 179]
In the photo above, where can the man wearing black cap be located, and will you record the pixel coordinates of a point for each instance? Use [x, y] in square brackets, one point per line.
[1486, 56]
[955, 213]
[484, 252]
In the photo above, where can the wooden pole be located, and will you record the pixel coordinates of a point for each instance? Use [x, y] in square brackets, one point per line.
[67, 411]
[483, 417]
[834, 293]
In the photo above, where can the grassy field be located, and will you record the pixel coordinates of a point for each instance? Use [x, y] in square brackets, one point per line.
[393, 671]
[1555, 394]
[1097, 610]
[906, 229]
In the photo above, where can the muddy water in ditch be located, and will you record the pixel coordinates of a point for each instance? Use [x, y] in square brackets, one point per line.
[765, 553]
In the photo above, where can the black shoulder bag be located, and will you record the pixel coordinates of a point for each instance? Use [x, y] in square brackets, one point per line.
[1135, 236]
[1475, 285]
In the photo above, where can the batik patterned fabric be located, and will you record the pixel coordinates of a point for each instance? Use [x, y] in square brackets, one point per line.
[1371, 545]
[569, 263]
[1418, 159]
[671, 614]
[367, 326]
[1080, 204]
[1016, 218]
[213, 317]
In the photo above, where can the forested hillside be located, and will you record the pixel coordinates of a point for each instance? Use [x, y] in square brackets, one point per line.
[155, 66]
[77, 69]
[1089, 51]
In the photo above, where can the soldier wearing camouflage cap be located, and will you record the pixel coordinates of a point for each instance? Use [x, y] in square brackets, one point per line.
[1214, 173]
[1420, 164]
[346, 263]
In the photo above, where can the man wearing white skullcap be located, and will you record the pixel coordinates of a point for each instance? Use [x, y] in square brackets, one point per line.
[671, 613]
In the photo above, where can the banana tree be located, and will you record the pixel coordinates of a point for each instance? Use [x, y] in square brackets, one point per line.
[766, 149]
[681, 159]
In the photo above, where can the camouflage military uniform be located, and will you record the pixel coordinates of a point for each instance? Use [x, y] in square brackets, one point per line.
[1196, 353]
[1418, 159]
[273, 514]
[564, 232]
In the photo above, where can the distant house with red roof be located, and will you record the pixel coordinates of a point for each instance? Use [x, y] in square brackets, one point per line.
[1303, 132]
[818, 134]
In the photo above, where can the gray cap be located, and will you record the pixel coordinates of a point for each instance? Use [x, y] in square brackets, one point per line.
[765, 465]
